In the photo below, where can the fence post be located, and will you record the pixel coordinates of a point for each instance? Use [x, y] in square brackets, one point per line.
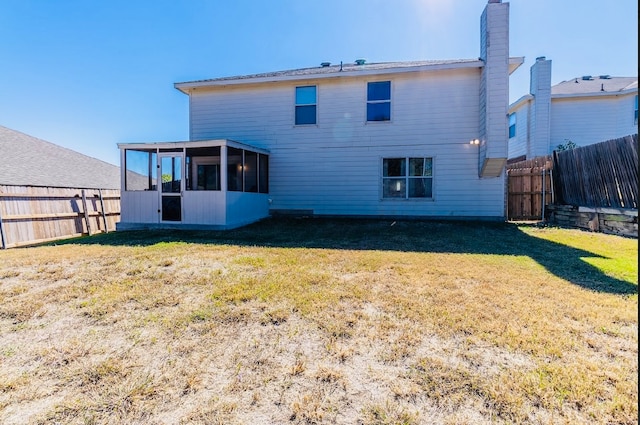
[544, 195]
[104, 215]
[86, 213]
[551, 185]
[3, 242]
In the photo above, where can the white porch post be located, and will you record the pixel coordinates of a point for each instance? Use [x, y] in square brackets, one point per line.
[223, 168]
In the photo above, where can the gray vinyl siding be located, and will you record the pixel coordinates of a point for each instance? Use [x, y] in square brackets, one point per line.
[519, 145]
[335, 166]
[590, 120]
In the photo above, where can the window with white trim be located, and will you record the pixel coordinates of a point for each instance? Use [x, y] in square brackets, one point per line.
[405, 178]
[379, 101]
[306, 105]
[512, 125]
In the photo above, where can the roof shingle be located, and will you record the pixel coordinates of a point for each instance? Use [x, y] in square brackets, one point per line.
[29, 161]
[597, 84]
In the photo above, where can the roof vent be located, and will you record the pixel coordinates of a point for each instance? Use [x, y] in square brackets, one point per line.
[586, 78]
[605, 77]
[325, 64]
[360, 61]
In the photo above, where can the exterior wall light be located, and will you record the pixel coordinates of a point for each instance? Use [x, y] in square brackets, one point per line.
[474, 142]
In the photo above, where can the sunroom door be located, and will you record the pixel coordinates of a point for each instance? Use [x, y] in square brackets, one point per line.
[171, 187]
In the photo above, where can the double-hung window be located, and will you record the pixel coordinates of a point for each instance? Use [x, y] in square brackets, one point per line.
[379, 101]
[306, 105]
[405, 178]
[512, 125]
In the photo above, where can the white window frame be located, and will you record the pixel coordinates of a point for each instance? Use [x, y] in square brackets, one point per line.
[370, 102]
[296, 104]
[407, 177]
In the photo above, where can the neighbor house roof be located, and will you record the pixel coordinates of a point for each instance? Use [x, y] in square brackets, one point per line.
[599, 84]
[29, 161]
[586, 86]
[327, 70]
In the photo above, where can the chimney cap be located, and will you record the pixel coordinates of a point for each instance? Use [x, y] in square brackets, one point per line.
[541, 58]
[495, 1]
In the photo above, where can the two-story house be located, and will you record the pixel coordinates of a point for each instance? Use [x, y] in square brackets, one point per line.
[583, 110]
[398, 139]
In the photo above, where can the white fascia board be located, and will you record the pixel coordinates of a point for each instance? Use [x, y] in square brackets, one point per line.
[185, 87]
[514, 63]
[518, 103]
[595, 94]
[246, 146]
[191, 144]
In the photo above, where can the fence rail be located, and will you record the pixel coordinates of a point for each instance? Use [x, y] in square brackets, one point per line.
[30, 215]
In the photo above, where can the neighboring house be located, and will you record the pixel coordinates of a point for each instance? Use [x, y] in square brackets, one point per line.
[584, 110]
[399, 139]
[29, 161]
[48, 192]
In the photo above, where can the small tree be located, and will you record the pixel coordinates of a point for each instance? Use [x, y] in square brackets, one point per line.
[567, 145]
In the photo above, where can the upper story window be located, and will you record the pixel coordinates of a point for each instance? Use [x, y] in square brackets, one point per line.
[306, 105]
[407, 178]
[512, 125]
[635, 114]
[379, 101]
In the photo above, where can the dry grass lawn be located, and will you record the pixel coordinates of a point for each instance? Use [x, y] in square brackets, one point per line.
[322, 321]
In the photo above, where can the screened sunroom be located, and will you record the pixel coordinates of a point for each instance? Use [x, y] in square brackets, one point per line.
[214, 184]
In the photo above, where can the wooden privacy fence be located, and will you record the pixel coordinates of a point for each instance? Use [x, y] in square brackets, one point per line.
[30, 215]
[603, 175]
[530, 188]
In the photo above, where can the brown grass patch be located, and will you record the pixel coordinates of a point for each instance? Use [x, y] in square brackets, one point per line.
[322, 322]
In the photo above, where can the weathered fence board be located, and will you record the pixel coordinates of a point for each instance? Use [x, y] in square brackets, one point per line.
[30, 215]
[600, 175]
[529, 188]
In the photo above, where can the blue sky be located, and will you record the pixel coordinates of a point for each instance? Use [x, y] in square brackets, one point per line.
[87, 75]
